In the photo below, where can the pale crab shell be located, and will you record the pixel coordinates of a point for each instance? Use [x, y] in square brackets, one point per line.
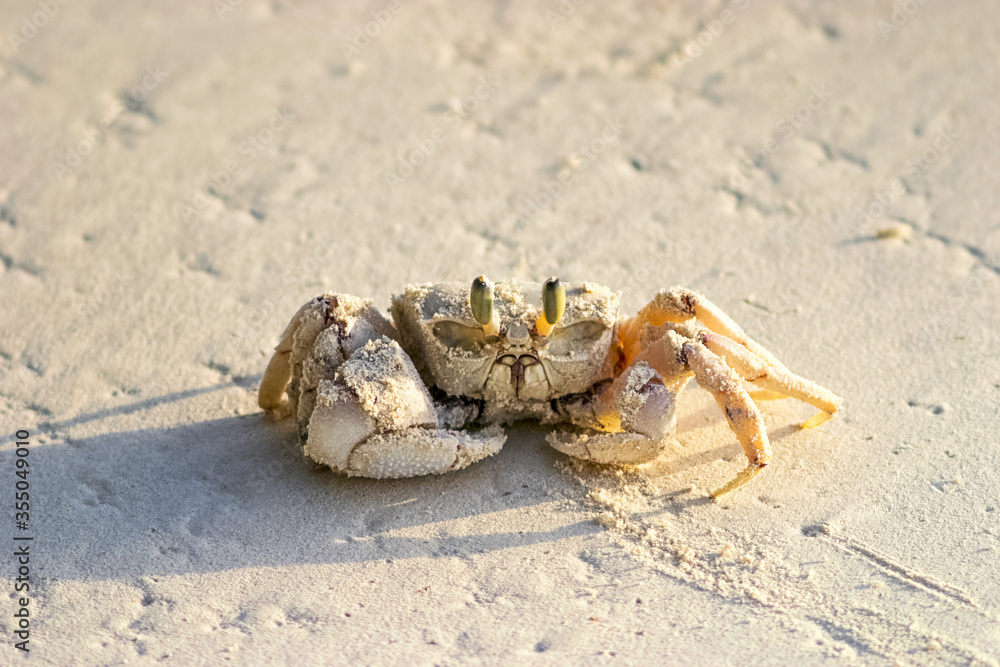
[574, 356]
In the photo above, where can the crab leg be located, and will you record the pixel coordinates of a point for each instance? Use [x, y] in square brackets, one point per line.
[678, 305]
[741, 412]
[271, 395]
[676, 357]
[779, 380]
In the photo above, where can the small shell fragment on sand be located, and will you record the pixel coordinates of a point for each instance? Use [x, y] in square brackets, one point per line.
[898, 231]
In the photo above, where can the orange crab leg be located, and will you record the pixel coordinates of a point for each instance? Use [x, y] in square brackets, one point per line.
[676, 358]
[678, 305]
[779, 380]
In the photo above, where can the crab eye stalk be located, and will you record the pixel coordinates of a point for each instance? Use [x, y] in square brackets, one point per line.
[481, 302]
[553, 306]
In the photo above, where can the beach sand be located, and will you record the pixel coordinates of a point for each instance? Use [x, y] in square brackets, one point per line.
[177, 179]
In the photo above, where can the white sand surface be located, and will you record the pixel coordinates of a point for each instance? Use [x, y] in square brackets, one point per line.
[143, 288]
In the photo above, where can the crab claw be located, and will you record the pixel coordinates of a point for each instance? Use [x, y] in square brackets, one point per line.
[377, 419]
[638, 402]
[610, 448]
[638, 409]
[378, 389]
[419, 451]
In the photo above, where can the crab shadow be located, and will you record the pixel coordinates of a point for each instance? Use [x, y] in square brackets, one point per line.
[236, 492]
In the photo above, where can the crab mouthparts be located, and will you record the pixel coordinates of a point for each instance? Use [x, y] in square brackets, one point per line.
[517, 364]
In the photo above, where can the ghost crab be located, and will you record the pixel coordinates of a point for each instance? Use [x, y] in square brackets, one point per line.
[428, 391]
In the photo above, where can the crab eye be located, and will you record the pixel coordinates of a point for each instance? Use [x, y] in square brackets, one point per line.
[553, 300]
[481, 303]
[455, 335]
[553, 306]
[564, 341]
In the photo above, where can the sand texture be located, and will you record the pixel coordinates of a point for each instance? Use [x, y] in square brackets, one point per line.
[177, 179]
